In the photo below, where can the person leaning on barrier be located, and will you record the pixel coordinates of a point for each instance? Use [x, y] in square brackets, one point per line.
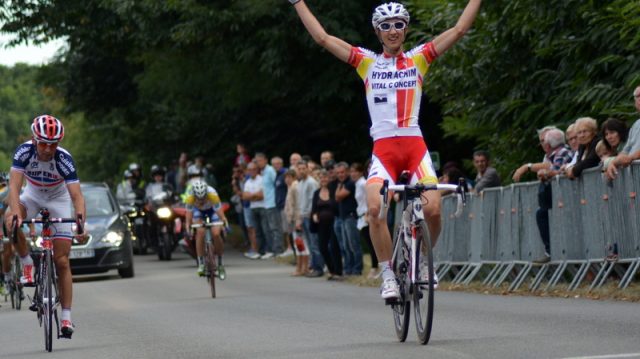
[587, 130]
[631, 150]
[535, 167]
[557, 154]
[487, 176]
[614, 137]
[572, 141]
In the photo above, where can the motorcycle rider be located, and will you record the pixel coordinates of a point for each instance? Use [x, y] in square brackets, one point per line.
[158, 185]
[154, 188]
[203, 201]
[125, 187]
[136, 171]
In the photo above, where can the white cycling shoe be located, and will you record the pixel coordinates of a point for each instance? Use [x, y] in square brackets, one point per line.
[389, 289]
[424, 277]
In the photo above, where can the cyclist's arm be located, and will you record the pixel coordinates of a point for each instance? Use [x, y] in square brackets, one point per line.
[334, 45]
[15, 185]
[444, 41]
[77, 199]
[220, 214]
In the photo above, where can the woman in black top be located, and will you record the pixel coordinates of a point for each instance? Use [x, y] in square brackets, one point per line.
[323, 211]
[587, 131]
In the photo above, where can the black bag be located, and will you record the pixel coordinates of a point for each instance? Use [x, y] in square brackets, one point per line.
[313, 226]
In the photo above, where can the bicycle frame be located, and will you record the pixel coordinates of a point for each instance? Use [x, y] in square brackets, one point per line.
[210, 259]
[405, 265]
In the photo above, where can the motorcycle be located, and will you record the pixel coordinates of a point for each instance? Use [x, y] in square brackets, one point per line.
[138, 221]
[166, 223]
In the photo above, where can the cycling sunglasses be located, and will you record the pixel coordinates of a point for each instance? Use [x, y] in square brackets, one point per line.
[386, 26]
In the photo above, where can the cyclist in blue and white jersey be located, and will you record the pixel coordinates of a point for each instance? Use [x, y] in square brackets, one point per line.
[52, 183]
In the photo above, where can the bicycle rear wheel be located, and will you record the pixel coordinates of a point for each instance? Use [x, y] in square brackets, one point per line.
[423, 293]
[211, 267]
[402, 308]
[48, 302]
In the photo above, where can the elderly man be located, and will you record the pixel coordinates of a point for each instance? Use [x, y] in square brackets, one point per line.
[535, 167]
[557, 155]
[631, 150]
[487, 176]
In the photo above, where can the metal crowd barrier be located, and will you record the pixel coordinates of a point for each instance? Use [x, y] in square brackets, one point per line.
[594, 227]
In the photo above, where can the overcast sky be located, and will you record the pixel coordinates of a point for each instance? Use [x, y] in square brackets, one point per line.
[34, 55]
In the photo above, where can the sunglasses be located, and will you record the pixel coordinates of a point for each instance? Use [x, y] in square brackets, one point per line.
[42, 144]
[386, 26]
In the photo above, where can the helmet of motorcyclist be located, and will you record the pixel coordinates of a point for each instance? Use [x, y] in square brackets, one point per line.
[199, 188]
[157, 170]
[194, 171]
[47, 129]
[127, 174]
[388, 11]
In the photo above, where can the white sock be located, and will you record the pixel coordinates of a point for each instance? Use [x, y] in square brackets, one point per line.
[387, 273]
[26, 260]
[201, 261]
[66, 314]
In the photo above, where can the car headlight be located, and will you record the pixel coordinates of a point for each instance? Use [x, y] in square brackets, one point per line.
[164, 212]
[112, 239]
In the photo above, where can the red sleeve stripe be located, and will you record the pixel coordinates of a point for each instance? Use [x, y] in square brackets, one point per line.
[430, 52]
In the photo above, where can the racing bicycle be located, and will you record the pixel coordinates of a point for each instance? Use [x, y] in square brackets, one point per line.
[212, 270]
[411, 240]
[45, 299]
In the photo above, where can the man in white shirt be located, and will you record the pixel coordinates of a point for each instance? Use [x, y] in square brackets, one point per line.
[253, 192]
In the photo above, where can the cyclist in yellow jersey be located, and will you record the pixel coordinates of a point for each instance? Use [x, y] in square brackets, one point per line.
[202, 201]
[393, 83]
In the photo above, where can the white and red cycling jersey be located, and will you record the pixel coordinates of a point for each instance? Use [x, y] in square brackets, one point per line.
[393, 86]
[46, 184]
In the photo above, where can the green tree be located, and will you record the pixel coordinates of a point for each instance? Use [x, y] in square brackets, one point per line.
[21, 99]
[527, 64]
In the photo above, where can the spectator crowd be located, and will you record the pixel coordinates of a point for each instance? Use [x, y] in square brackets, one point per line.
[318, 209]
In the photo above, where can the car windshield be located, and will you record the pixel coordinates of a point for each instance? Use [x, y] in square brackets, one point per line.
[98, 202]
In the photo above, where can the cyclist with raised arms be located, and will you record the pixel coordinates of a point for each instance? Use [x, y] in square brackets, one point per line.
[202, 201]
[52, 183]
[393, 84]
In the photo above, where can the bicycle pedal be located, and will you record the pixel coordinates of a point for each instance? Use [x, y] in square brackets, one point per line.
[64, 335]
[391, 301]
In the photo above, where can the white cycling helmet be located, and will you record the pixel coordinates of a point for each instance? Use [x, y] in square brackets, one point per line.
[390, 10]
[199, 188]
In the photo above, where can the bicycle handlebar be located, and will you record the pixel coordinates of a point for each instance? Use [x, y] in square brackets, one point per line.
[210, 224]
[459, 189]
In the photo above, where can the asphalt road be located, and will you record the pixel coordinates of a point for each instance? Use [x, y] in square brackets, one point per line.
[262, 312]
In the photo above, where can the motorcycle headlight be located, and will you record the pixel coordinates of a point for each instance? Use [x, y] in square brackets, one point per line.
[163, 212]
[113, 239]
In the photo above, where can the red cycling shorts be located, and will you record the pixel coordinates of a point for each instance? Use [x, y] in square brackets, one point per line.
[392, 155]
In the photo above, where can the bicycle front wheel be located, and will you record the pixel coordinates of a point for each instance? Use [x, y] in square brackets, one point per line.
[423, 293]
[212, 266]
[48, 301]
[401, 309]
